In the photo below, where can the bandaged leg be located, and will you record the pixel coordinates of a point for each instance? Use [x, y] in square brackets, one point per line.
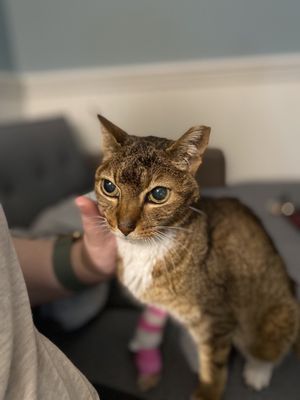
[146, 346]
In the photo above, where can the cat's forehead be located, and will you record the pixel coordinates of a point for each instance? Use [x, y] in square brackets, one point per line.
[140, 163]
[145, 148]
[139, 169]
[135, 177]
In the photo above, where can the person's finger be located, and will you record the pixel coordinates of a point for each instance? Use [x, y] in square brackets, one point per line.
[90, 216]
[92, 221]
[98, 242]
[86, 206]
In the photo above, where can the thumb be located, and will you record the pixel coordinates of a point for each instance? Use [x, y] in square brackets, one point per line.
[87, 207]
[93, 226]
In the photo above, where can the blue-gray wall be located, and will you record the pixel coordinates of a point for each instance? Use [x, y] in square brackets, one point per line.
[6, 62]
[58, 34]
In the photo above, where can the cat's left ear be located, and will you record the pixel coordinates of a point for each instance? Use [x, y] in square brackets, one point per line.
[187, 152]
[113, 137]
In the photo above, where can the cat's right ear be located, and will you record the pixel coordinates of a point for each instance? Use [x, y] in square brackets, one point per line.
[113, 137]
[187, 152]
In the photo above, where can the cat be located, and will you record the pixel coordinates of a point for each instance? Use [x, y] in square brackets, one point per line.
[208, 262]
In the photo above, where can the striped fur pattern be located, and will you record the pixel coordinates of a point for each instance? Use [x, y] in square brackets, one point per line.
[220, 275]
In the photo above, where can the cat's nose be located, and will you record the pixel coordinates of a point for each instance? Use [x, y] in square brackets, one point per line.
[126, 226]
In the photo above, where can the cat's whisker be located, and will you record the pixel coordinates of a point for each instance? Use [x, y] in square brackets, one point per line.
[172, 249]
[175, 227]
[99, 229]
[185, 248]
[100, 226]
[198, 211]
[98, 223]
[171, 283]
[97, 220]
[96, 217]
[188, 251]
[147, 240]
[163, 234]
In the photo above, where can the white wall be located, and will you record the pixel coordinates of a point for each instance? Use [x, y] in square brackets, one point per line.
[11, 97]
[252, 106]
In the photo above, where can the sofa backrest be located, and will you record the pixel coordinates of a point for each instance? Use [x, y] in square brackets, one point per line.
[40, 163]
[212, 171]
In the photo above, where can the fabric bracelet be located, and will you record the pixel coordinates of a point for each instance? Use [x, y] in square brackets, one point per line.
[62, 266]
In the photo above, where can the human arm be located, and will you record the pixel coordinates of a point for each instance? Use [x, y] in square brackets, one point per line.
[93, 257]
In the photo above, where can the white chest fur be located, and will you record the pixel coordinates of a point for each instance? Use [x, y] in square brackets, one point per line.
[139, 259]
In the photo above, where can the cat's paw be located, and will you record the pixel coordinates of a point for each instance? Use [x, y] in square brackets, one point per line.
[147, 382]
[257, 374]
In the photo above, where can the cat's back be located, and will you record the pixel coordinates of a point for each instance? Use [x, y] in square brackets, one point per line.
[235, 229]
[231, 215]
[246, 255]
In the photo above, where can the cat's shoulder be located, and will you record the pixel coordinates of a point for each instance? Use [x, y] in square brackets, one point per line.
[222, 204]
[227, 208]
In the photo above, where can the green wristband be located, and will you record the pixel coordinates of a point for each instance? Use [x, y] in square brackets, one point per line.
[62, 264]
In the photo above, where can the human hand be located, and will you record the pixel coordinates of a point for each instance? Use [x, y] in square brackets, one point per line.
[94, 257]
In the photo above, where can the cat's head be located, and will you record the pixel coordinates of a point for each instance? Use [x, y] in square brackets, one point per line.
[146, 184]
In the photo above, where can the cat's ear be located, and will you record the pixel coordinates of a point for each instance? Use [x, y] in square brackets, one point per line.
[113, 137]
[187, 152]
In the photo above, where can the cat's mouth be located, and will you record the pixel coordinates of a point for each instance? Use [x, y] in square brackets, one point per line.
[136, 236]
[148, 236]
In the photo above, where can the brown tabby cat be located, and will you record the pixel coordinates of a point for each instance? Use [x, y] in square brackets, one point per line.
[208, 262]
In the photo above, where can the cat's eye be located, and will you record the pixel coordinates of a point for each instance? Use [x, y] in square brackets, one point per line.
[159, 194]
[109, 188]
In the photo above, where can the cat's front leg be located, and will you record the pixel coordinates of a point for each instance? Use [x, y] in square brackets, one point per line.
[213, 353]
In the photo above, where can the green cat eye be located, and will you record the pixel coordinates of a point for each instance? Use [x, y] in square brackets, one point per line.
[159, 194]
[109, 188]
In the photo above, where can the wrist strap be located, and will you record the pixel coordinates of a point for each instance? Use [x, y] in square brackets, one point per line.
[62, 267]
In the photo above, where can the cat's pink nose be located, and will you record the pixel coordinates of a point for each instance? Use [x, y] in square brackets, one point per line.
[126, 226]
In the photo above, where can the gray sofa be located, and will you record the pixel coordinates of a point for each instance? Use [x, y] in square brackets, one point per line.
[40, 164]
